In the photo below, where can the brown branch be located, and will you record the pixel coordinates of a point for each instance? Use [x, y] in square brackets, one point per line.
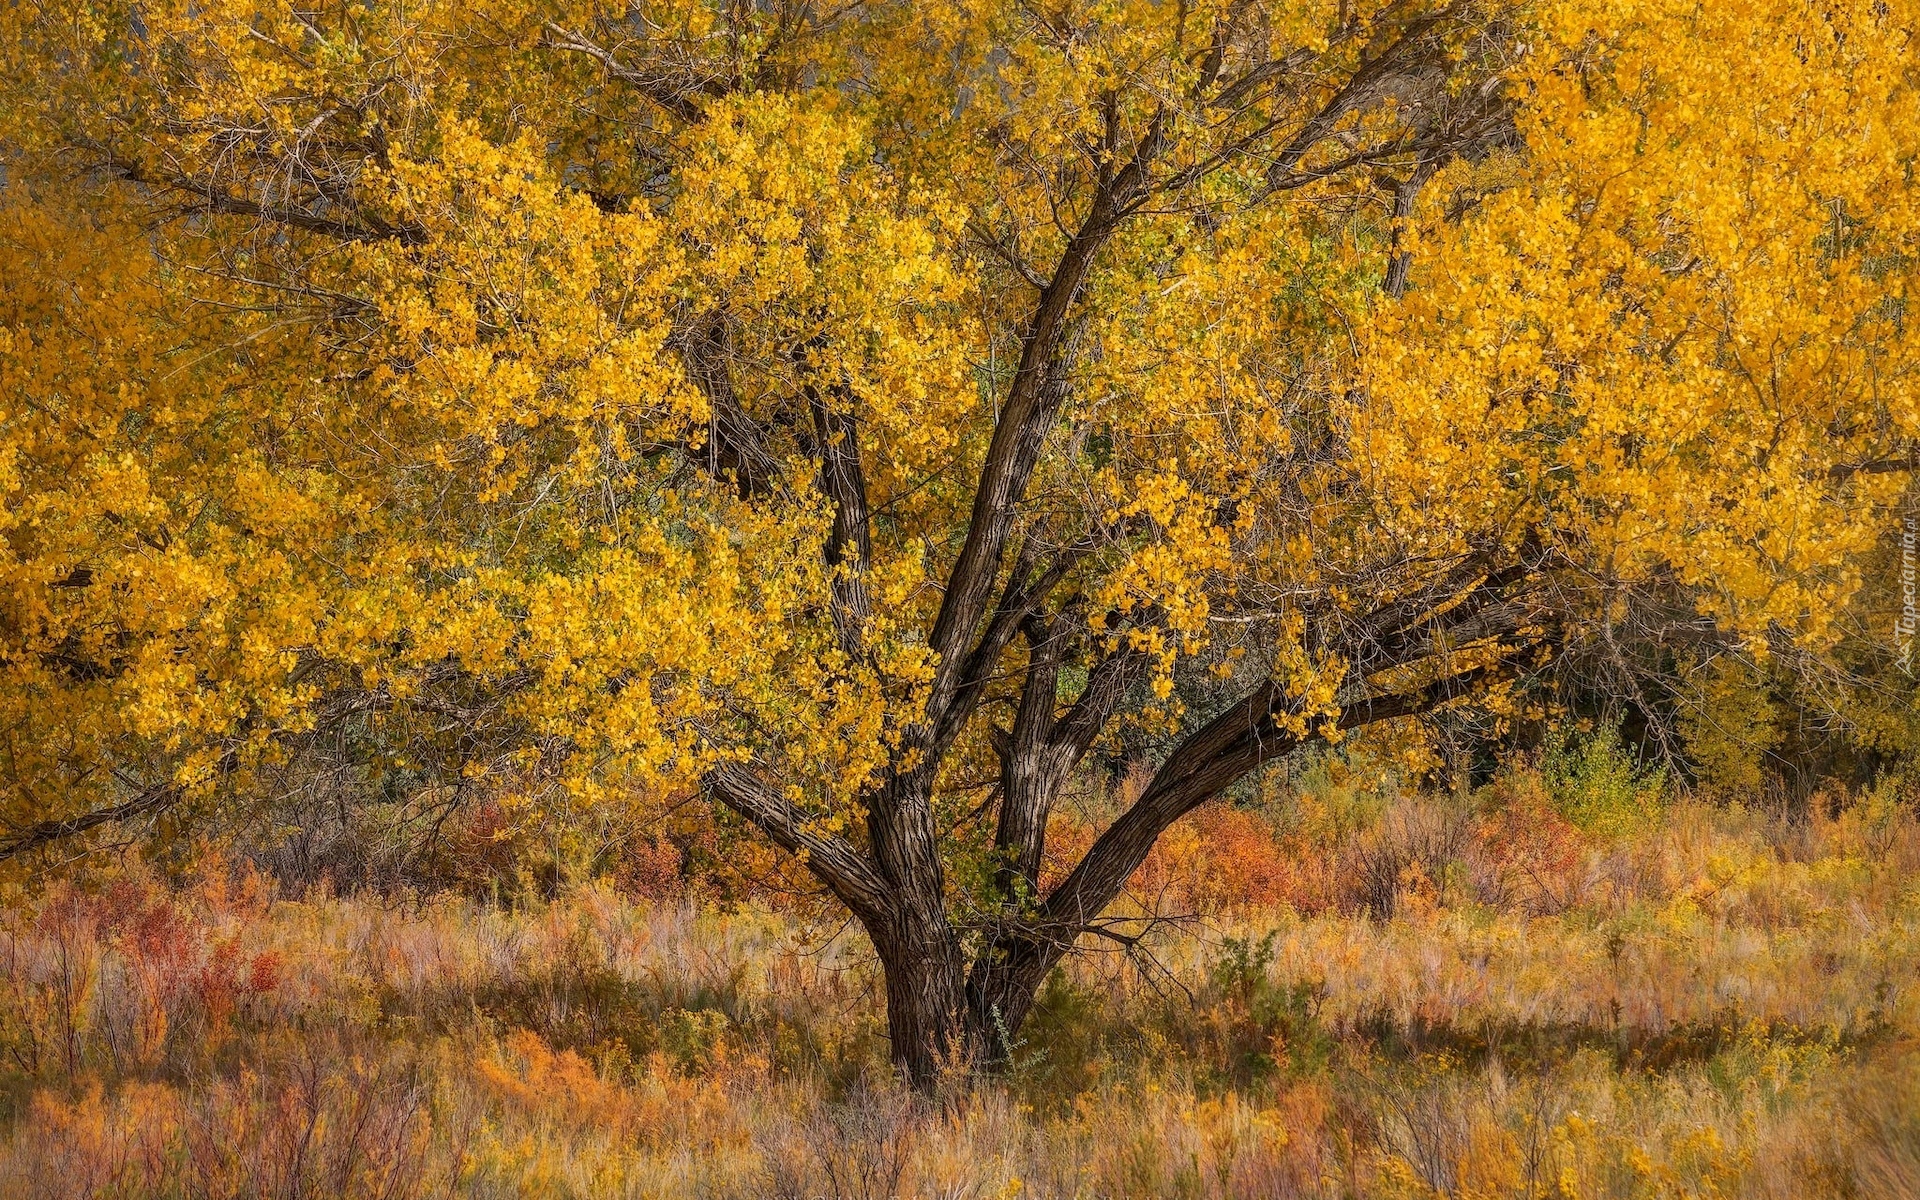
[834, 862]
[1399, 258]
[735, 447]
[33, 837]
[155, 799]
[1006, 976]
[1234, 743]
[1400, 59]
[1039, 387]
[1021, 596]
[208, 198]
[675, 97]
[1841, 472]
[1044, 747]
[849, 549]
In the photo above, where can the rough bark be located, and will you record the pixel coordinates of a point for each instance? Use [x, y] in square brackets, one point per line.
[920, 955]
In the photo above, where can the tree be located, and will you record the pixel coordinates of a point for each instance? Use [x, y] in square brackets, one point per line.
[862, 411]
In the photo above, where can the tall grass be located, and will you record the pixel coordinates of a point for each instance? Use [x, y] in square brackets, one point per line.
[1568, 985]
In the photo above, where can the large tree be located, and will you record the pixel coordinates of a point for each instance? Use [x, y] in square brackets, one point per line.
[862, 411]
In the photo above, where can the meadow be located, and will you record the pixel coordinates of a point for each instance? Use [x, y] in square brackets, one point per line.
[1574, 986]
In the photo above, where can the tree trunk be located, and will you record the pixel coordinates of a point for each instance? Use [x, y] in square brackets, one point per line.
[1000, 993]
[926, 996]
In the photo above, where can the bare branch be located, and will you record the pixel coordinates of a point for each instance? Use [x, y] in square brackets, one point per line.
[845, 872]
[671, 94]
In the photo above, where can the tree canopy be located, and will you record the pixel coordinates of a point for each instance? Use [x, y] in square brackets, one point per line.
[861, 412]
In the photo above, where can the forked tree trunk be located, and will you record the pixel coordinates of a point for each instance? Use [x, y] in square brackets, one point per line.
[943, 1024]
[1000, 993]
[944, 1013]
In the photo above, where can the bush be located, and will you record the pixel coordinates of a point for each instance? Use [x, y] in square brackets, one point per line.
[1596, 783]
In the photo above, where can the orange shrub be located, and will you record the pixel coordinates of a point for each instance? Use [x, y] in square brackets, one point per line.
[1241, 862]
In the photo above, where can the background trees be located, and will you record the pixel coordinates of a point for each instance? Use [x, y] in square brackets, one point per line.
[861, 413]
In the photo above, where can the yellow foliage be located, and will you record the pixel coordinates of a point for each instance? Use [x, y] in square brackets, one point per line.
[580, 405]
[408, 387]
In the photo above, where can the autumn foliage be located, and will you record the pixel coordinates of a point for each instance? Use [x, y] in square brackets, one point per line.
[1014, 477]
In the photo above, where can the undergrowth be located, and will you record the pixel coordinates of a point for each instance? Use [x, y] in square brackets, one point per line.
[1568, 984]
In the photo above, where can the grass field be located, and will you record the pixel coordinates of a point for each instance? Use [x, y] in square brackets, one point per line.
[1504, 995]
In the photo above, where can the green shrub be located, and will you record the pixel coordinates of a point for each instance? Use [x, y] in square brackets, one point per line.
[1598, 784]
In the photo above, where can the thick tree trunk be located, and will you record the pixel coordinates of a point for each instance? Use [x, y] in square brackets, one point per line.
[943, 1024]
[925, 1023]
[926, 995]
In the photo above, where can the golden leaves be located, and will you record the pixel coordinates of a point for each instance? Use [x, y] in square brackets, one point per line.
[1667, 340]
[395, 346]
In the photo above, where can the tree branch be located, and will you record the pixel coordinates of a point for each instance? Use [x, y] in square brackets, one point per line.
[1039, 387]
[1007, 974]
[849, 548]
[154, 799]
[208, 198]
[1018, 600]
[1045, 747]
[1234, 743]
[735, 448]
[673, 96]
[835, 863]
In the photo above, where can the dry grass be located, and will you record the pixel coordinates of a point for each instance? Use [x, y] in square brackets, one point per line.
[1461, 1000]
